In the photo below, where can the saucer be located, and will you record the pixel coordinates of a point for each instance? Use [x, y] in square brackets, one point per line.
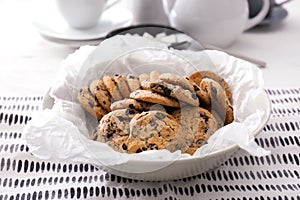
[51, 25]
[73, 43]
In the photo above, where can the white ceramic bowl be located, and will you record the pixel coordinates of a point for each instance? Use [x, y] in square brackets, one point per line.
[184, 167]
[178, 168]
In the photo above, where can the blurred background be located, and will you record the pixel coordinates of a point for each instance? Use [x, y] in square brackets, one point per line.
[35, 37]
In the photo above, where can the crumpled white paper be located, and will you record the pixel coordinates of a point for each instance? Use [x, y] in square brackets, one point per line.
[63, 132]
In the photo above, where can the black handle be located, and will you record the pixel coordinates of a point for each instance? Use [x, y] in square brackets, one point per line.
[140, 29]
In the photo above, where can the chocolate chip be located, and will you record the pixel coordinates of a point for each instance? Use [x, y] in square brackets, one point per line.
[110, 132]
[144, 148]
[204, 117]
[160, 115]
[196, 88]
[138, 151]
[124, 147]
[121, 119]
[194, 96]
[166, 91]
[95, 137]
[177, 147]
[153, 146]
[152, 122]
[131, 77]
[130, 111]
[131, 106]
[200, 142]
[214, 92]
[91, 103]
[109, 135]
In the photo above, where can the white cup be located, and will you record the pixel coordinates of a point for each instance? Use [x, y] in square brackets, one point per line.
[214, 22]
[81, 14]
[148, 12]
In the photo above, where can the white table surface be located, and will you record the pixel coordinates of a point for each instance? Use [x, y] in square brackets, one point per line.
[28, 62]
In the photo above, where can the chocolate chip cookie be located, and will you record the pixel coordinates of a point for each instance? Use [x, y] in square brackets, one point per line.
[198, 76]
[130, 103]
[176, 92]
[121, 82]
[177, 80]
[144, 81]
[154, 98]
[204, 98]
[89, 103]
[219, 102]
[112, 88]
[159, 130]
[113, 128]
[196, 122]
[186, 84]
[157, 111]
[133, 82]
[154, 76]
[99, 90]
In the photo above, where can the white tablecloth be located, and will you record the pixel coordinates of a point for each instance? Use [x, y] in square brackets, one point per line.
[275, 177]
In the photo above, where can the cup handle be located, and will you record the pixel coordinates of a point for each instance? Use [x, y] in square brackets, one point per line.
[282, 2]
[260, 16]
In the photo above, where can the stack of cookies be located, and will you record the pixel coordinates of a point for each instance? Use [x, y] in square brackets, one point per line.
[157, 110]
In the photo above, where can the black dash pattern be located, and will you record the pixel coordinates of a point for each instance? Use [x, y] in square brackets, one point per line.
[241, 177]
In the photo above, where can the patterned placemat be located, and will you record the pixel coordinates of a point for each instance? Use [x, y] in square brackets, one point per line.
[242, 177]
